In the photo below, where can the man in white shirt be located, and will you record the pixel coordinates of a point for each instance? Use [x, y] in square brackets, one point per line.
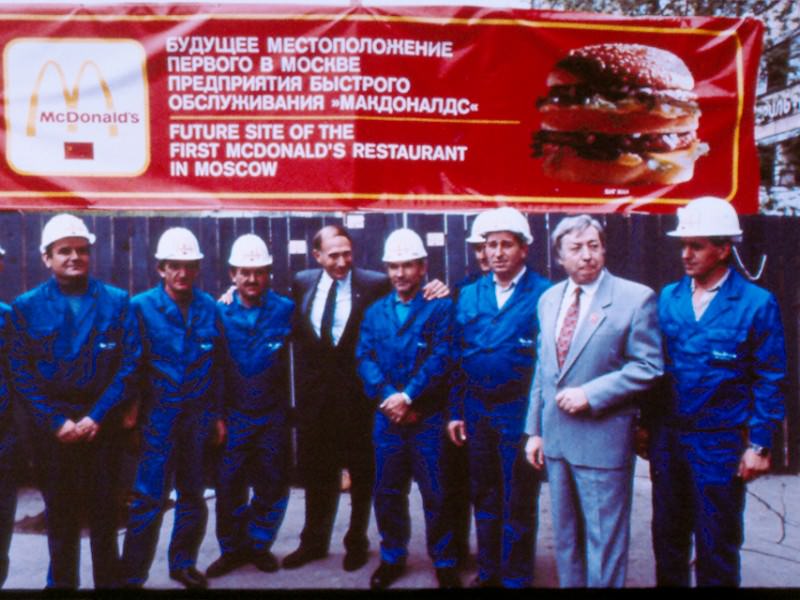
[712, 427]
[495, 343]
[334, 417]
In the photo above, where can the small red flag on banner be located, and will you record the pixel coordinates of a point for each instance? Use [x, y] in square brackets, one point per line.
[79, 150]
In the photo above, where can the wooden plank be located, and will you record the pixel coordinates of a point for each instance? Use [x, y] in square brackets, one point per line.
[369, 240]
[213, 271]
[12, 280]
[121, 267]
[459, 256]
[617, 244]
[143, 264]
[538, 251]
[227, 232]
[790, 308]
[301, 229]
[34, 270]
[278, 230]
[554, 271]
[773, 238]
[102, 250]
[433, 224]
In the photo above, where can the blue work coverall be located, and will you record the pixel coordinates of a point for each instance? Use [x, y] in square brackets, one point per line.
[457, 503]
[256, 405]
[412, 356]
[179, 396]
[496, 350]
[8, 479]
[725, 375]
[67, 366]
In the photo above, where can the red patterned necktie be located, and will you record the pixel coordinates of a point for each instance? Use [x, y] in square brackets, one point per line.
[568, 328]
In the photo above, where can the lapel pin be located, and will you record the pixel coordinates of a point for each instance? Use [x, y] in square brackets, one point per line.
[594, 318]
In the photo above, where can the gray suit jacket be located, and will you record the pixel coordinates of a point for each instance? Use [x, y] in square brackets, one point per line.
[614, 355]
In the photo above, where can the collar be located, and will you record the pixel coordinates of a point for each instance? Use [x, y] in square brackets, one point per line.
[166, 299]
[326, 281]
[396, 298]
[716, 287]
[238, 301]
[587, 289]
[514, 281]
[55, 289]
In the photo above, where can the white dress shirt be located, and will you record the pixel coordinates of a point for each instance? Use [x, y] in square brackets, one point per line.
[502, 294]
[344, 304]
[701, 304]
[588, 290]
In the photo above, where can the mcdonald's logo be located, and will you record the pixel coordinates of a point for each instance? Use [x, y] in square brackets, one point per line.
[71, 97]
[77, 106]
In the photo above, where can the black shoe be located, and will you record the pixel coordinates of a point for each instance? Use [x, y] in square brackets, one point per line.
[385, 575]
[492, 582]
[302, 556]
[354, 560]
[462, 557]
[226, 563]
[190, 577]
[265, 561]
[448, 578]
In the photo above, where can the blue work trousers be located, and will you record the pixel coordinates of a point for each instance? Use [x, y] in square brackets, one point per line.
[457, 503]
[403, 452]
[696, 494]
[505, 491]
[79, 481]
[255, 454]
[174, 444]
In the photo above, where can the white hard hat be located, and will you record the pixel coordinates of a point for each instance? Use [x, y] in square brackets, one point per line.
[64, 226]
[707, 217]
[508, 219]
[478, 225]
[249, 250]
[403, 245]
[178, 243]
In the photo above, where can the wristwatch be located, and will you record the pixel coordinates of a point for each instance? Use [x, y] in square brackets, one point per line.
[760, 450]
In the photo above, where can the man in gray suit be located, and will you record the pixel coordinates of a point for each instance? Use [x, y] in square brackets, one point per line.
[599, 346]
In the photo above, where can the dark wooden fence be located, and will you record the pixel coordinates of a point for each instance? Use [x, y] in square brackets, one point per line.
[637, 248]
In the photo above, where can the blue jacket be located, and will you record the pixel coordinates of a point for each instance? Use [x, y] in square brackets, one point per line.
[413, 357]
[727, 370]
[468, 280]
[68, 367]
[180, 358]
[256, 373]
[496, 348]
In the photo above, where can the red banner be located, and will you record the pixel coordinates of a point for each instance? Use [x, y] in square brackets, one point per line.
[248, 107]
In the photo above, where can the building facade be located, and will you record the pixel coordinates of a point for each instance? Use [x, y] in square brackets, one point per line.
[778, 110]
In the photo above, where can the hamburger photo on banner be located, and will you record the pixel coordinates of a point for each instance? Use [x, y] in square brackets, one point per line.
[619, 114]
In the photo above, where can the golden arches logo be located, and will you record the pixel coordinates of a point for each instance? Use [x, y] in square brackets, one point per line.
[71, 97]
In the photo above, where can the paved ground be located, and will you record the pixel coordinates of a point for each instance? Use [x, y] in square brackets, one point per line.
[770, 556]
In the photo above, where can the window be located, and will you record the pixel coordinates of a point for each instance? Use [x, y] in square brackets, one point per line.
[787, 163]
[766, 156]
[777, 67]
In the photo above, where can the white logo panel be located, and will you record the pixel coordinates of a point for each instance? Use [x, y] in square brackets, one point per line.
[76, 106]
